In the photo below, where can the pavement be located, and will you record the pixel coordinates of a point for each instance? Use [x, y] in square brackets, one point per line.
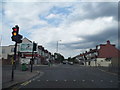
[19, 76]
[0, 74]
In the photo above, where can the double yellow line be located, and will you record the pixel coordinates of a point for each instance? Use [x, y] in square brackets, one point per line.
[25, 83]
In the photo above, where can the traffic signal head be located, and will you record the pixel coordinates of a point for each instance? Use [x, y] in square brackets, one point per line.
[34, 46]
[15, 31]
[15, 36]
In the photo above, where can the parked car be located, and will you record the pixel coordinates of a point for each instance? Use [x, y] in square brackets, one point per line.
[71, 63]
[65, 62]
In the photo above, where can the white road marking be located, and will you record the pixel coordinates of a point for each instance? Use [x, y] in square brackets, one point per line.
[46, 80]
[56, 80]
[38, 80]
[83, 80]
[74, 80]
[111, 81]
[101, 80]
[65, 80]
[92, 80]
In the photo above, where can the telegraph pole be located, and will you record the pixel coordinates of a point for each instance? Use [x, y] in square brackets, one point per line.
[57, 46]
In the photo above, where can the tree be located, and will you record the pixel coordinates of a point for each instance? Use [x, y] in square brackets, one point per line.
[59, 57]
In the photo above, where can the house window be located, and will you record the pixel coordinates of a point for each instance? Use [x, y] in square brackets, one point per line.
[3, 50]
[12, 49]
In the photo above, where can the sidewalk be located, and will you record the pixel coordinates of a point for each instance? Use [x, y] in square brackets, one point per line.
[19, 77]
[53, 65]
[109, 69]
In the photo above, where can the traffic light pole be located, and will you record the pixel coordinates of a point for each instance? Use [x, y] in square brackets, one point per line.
[14, 61]
[32, 59]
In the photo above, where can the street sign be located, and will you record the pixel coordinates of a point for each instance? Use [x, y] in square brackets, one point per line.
[26, 47]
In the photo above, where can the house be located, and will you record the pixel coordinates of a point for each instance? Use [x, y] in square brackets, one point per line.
[106, 52]
[41, 54]
[44, 55]
[25, 49]
[8, 53]
[101, 55]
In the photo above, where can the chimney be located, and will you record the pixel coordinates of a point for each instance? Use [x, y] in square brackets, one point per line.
[108, 42]
[96, 47]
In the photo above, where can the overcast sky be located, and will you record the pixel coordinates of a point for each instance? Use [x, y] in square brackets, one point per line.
[79, 25]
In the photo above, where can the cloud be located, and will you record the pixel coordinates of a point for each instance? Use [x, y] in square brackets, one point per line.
[87, 10]
[79, 25]
[51, 16]
[90, 41]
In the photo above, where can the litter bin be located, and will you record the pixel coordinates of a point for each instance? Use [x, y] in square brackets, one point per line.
[24, 67]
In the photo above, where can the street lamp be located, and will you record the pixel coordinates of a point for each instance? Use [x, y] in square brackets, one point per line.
[57, 45]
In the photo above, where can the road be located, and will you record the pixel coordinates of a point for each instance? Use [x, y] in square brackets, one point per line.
[71, 76]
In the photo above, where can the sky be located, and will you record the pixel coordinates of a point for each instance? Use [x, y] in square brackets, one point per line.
[76, 25]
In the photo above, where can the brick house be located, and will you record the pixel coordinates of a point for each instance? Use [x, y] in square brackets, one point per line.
[102, 52]
[107, 50]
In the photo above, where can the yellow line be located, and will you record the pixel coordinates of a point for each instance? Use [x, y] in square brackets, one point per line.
[25, 83]
[15, 88]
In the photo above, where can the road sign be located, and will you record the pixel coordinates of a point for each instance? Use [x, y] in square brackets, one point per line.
[26, 47]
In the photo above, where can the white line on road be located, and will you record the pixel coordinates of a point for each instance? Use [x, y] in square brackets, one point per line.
[74, 80]
[56, 80]
[92, 80]
[65, 80]
[111, 81]
[83, 80]
[101, 80]
[46, 80]
[38, 80]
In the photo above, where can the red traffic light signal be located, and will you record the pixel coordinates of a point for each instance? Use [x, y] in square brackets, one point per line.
[15, 31]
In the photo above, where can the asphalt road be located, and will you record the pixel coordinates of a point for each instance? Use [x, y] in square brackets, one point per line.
[71, 76]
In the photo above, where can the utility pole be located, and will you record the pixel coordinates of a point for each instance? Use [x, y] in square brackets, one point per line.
[57, 46]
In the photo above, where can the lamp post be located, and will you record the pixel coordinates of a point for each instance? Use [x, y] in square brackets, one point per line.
[57, 45]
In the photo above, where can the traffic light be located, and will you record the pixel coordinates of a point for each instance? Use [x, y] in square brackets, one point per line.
[34, 46]
[15, 36]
